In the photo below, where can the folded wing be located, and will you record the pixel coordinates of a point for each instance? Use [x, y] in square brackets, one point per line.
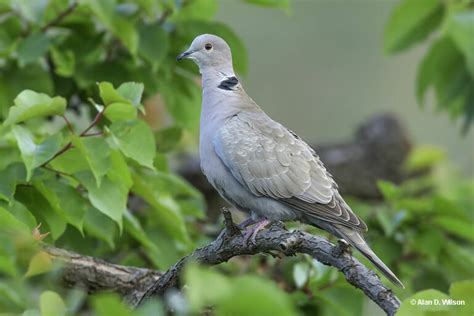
[272, 161]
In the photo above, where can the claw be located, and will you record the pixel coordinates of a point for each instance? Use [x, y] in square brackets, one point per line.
[342, 247]
[250, 235]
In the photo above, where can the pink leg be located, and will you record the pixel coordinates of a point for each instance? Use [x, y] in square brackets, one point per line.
[251, 234]
[247, 222]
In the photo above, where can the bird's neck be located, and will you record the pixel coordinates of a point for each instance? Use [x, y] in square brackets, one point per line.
[222, 97]
[211, 77]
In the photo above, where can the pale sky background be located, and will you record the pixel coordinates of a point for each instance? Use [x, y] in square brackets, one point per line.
[321, 71]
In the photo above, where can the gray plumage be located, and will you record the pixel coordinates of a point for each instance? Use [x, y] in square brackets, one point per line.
[260, 166]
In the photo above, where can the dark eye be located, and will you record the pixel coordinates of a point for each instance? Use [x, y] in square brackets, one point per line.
[208, 46]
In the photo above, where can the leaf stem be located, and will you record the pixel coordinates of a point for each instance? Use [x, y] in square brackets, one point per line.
[94, 123]
[60, 16]
[70, 145]
[69, 125]
[93, 134]
[57, 171]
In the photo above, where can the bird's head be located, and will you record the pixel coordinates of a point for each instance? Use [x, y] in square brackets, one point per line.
[209, 52]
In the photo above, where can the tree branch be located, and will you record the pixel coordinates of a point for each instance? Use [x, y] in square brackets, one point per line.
[137, 284]
[98, 275]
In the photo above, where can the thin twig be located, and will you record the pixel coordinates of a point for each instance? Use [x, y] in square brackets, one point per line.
[94, 122]
[60, 16]
[70, 145]
[59, 153]
[93, 134]
[57, 171]
[69, 125]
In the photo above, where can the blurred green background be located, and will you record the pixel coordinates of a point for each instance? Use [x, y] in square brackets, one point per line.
[321, 70]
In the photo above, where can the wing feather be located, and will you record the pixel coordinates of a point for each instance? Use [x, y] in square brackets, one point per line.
[272, 161]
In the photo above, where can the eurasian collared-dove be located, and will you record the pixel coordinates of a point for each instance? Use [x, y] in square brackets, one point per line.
[260, 166]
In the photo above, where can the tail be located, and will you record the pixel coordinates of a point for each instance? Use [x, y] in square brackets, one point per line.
[355, 239]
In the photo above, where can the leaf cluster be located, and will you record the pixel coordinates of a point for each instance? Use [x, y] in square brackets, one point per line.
[448, 65]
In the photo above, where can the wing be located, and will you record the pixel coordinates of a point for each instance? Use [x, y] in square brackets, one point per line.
[272, 161]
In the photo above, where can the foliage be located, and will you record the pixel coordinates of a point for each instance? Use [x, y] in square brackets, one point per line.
[65, 47]
[418, 304]
[80, 169]
[448, 65]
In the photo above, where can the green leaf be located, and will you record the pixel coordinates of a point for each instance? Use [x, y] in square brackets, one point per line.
[11, 27]
[65, 200]
[168, 138]
[182, 101]
[34, 155]
[460, 27]
[64, 61]
[135, 140]
[39, 264]
[246, 295]
[411, 22]
[427, 69]
[32, 47]
[12, 82]
[285, 4]
[154, 44]
[100, 226]
[96, 152]
[20, 212]
[119, 170]
[418, 304]
[30, 104]
[32, 11]
[110, 198]
[424, 156]
[12, 224]
[455, 226]
[171, 221]
[107, 304]
[118, 25]
[42, 210]
[132, 91]
[119, 111]
[70, 162]
[127, 93]
[197, 10]
[10, 177]
[51, 304]
[109, 95]
[389, 190]
[133, 227]
[463, 290]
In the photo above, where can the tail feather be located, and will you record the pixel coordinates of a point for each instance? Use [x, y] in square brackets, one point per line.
[355, 239]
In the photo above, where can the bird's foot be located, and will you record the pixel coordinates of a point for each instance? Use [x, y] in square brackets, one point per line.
[342, 248]
[246, 223]
[250, 235]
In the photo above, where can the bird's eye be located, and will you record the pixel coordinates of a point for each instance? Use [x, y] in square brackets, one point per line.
[208, 46]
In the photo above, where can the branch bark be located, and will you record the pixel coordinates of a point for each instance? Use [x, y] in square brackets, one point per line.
[97, 275]
[137, 284]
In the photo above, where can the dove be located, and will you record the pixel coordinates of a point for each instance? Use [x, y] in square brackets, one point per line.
[258, 165]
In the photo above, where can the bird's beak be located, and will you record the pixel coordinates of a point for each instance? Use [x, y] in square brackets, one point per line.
[184, 55]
